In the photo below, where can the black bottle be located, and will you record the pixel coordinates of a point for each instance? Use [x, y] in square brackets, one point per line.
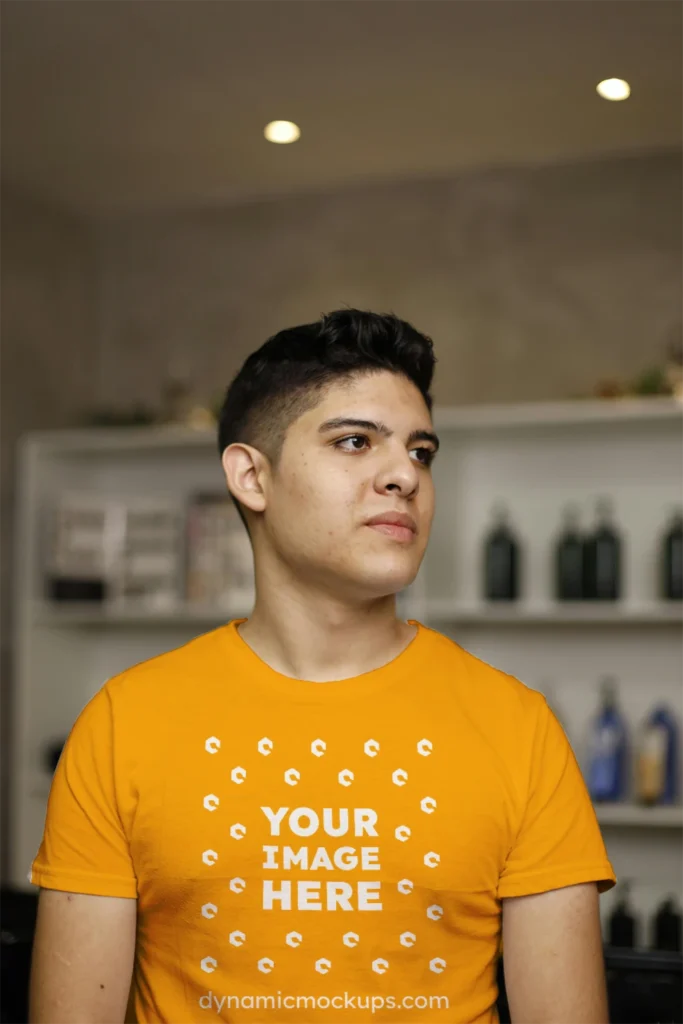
[501, 560]
[672, 560]
[621, 926]
[667, 927]
[602, 557]
[52, 753]
[569, 584]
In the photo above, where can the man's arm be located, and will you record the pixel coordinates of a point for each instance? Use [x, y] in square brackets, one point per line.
[82, 959]
[553, 958]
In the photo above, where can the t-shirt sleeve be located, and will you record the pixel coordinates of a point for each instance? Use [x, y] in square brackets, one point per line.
[84, 847]
[558, 842]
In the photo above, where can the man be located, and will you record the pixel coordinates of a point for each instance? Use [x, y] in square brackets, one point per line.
[321, 812]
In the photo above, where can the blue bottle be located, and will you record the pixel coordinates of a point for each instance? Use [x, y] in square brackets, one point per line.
[607, 762]
[657, 764]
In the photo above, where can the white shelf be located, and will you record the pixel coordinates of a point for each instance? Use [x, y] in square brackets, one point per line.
[133, 440]
[632, 816]
[459, 418]
[87, 614]
[569, 614]
[542, 414]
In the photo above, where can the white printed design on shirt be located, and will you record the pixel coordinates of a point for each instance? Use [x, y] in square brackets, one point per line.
[305, 822]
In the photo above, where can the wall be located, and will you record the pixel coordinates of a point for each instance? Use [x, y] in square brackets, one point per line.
[533, 282]
[48, 363]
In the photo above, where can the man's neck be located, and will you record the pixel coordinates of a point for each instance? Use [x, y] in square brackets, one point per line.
[322, 641]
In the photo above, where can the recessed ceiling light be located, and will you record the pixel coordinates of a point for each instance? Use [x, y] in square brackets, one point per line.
[614, 89]
[282, 132]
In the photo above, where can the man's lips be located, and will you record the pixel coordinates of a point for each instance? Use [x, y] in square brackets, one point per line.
[402, 519]
[398, 525]
[393, 530]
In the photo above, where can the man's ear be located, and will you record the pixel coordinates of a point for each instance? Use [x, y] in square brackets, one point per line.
[246, 473]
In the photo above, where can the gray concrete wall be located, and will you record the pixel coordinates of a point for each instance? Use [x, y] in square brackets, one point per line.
[48, 338]
[533, 282]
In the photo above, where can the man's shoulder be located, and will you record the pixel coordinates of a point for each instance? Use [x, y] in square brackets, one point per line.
[480, 682]
[199, 659]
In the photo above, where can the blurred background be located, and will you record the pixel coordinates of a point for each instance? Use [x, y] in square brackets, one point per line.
[504, 174]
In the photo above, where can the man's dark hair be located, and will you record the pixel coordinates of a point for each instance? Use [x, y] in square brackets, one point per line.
[289, 374]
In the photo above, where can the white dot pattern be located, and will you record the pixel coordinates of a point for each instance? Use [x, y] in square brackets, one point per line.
[400, 777]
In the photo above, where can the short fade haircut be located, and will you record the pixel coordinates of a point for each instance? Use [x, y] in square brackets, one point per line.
[291, 371]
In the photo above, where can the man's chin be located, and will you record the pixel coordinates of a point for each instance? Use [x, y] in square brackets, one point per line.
[385, 581]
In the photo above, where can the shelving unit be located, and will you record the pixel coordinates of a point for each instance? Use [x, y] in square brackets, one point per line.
[436, 611]
[109, 618]
[536, 458]
[588, 614]
[630, 816]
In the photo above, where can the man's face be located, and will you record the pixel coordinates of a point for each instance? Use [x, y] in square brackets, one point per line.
[332, 479]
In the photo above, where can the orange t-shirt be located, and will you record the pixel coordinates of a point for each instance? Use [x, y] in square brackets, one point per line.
[317, 852]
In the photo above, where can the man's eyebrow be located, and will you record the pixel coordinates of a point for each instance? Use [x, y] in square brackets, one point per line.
[378, 428]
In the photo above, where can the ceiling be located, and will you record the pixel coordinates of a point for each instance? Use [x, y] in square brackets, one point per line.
[139, 104]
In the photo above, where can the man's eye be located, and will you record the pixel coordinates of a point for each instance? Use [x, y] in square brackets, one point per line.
[426, 455]
[352, 437]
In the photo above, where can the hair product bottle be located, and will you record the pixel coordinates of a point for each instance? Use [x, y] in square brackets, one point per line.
[501, 559]
[569, 585]
[52, 751]
[667, 926]
[602, 557]
[607, 756]
[672, 560]
[621, 926]
[657, 758]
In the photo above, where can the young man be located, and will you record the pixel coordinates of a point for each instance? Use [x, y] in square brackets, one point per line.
[321, 813]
